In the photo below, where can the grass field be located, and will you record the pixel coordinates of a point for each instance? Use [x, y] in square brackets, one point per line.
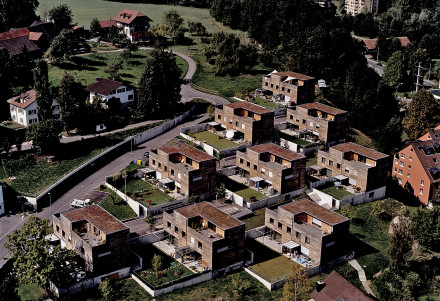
[118, 207]
[274, 269]
[30, 291]
[338, 193]
[215, 140]
[271, 105]
[241, 189]
[87, 68]
[85, 10]
[143, 191]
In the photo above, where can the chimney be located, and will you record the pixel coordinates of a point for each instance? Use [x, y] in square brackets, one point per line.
[319, 286]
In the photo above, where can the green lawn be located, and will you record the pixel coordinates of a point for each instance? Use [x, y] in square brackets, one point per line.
[241, 189]
[87, 67]
[255, 220]
[359, 138]
[228, 85]
[311, 161]
[142, 191]
[271, 105]
[337, 193]
[34, 175]
[215, 140]
[274, 269]
[12, 125]
[118, 207]
[30, 292]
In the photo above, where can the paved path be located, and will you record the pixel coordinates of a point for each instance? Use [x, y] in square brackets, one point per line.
[362, 276]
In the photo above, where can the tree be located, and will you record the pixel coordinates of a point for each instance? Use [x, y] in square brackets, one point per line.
[95, 27]
[297, 283]
[45, 136]
[197, 28]
[65, 44]
[172, 22]
[401, 240]
[35, 261]
[239, 285]
[394, 71]
[105, 288]
[387, 138]
[159, 86]
[115, 36]
[17, 13]
[72, 100]
[347, 211]
[113, 69]
[43, 90]
[220, 191]
[157, 263]
[61, 16]
[210, 111]
[151, 220]
[423, 113]
[425, 226]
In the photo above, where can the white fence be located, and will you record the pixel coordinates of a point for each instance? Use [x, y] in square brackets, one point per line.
[168, 289]
[369, 196]
[156, 131]
[319, 183]
[305, 150]
[254, 233]
[87, 283]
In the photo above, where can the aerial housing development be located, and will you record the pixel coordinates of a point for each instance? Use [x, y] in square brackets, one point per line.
[220, 150]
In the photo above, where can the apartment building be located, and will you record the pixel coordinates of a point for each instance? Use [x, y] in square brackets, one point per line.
[134, 24]
[270, 164]
[309, 229]
[419, 165]
[253, 122]
[24, 108]
[96, 235]
[291, 87]
[186, 168]
[354, 7]
[216, 238]
[323, 122]
[364, 167]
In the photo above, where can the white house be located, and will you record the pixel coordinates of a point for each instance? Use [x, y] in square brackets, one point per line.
[2, 201]
[134, 24]
[105, 89]
[24, 109]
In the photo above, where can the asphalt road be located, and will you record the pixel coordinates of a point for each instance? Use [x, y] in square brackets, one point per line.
[11, 223]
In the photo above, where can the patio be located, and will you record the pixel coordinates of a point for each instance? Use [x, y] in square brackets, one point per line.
[267, 192]
[185, 256]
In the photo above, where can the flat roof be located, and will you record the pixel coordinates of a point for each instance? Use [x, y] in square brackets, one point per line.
[276, 150]
[359, 149]
[211, 213]
[187, 151]
[294, 74]
[322, 107]
[315, 210]
[249, 106]
[96, 215]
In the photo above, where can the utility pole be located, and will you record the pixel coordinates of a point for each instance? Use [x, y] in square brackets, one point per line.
[419, 76]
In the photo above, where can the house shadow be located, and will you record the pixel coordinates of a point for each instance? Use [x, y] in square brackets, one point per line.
[261, 252]
[360, 247]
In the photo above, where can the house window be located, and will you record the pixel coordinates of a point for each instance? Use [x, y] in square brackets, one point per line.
[255, 167]
[347, 170]
[176, 230]
[241, 161]
[192, 240]
[230, 121]
[396, 161]
[58, 228]
[330, 162]
[421, 191]
[263, 171]
[291, 117]
[183, 234]
[271, 221]
[179, 176]
[282, 88]
[225, 119]
[323, 160]
[289, 230]
[408, 175]
[130, 97]
[402, 164]
[195, 179]
[410, 158]
[297, 119]
[355, 172]
[422, 183]
[280, 225]
[311, 124]
[266, 84]
[399, 180]
[270, 174]
[154, 162]
[200, 245]
[169, 225]
[395, 169]
[402, 155]
[276, 87]
[307, 240]
[243, 126]
[317, 126]
[288, 90]
[338, 166]
[160, 165]
[371, 195]
[165, 168]
[271, 85]
[63, 233]
[409, 166]
[400, 172]
[248, 164]
[219, 116]
[298, 235]
[172, 172]
[236, 123]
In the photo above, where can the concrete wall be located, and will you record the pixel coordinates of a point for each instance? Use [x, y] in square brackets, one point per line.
[319, 183]
[265, 281]
[254, 233]
[148, 238]
[306, 151]
[365, 197]
[87, 283]
[190, 282]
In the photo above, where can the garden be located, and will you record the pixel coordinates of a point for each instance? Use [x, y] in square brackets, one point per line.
[338, 192]
[159, 268]
[247, 193]
[117, 207]
[143, 192]
[215, 140]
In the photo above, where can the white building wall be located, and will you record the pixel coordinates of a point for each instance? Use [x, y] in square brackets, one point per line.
[29, 115]
[125, 95]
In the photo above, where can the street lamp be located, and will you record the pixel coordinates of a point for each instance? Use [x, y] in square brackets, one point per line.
[50, 202]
